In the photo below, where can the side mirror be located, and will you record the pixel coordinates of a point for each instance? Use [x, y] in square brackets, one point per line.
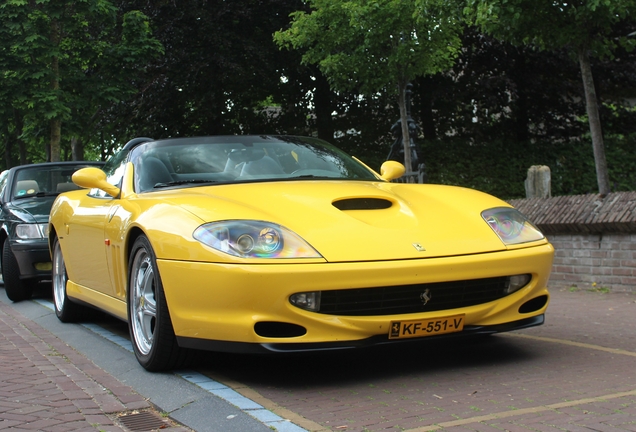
[92, 177]
[390, 170]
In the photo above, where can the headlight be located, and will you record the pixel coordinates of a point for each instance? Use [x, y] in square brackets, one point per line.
[511, 226]
[254, 239]
[516, 282]
[309, 301]
[32, 231]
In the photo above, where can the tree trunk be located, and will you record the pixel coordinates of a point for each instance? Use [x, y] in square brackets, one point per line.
[7, 152]
[56, 138]
[591, 103]
[406, 138]
[322, 100]
[23, 152]
[77, 149]
[19, 124]
[425, 104]
[56, 123]
[520, 79]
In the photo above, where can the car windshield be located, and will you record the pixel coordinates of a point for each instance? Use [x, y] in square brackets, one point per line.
[42, 180]
[235, 159]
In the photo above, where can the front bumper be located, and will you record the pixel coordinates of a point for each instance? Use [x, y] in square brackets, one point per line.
[216, 305]
[34, 258]
[265, 348]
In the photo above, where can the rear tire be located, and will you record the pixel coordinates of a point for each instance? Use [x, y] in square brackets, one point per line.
[151, 332]
[16, 288]
[65, 310]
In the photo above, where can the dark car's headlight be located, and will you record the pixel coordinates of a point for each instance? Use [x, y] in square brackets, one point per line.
[32, 231]
[254, 239]
[511, 226]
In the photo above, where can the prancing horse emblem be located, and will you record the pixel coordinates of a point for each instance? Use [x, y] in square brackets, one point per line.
[426, 296]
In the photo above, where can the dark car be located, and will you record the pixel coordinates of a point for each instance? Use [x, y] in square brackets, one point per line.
[26, 195]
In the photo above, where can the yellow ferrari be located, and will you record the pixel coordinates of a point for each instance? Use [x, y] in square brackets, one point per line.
[286, 244]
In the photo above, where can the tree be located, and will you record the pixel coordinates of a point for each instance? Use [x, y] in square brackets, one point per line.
[498, 91]
[583, 26]
[112, 64]
[60, 56]
[373, 46]
[219, 69]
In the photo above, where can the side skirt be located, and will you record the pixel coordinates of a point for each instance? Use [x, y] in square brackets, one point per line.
[88, 297]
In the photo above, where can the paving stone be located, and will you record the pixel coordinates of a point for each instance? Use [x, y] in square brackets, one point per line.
[41, 391]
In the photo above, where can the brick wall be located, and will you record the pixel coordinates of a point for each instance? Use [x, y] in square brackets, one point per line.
[594, 239]
[594, 261]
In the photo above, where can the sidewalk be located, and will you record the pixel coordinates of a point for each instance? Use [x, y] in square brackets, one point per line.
[45, 385]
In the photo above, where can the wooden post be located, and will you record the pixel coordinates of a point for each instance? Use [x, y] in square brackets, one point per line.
[538, 182]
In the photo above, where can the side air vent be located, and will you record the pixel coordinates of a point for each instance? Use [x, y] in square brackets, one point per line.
[362, 204]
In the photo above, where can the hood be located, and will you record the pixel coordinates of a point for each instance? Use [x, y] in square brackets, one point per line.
[357, 221]
[32, 210]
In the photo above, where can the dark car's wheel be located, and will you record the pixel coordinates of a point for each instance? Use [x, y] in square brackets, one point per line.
[66, 310]
[16, 288]
[149, 323]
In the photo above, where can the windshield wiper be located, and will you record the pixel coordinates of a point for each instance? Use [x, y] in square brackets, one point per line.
[312, 176]
[40, 194]
[182, 182]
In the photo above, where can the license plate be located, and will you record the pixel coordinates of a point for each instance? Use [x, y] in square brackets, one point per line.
[427, 327]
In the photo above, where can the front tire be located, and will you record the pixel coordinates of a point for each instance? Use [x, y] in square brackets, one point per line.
[65, 310]
[16, 288]
[151, 332]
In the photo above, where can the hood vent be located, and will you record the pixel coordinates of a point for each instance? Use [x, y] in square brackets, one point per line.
[362, 204]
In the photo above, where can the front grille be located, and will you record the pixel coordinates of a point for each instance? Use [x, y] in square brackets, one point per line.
[404, 299]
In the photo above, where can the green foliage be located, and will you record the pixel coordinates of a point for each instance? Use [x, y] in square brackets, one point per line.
[136, 68]
[375, 45]
[372, 46]
[585, 27]
[220, 64]
[500, 167]
[65, 61]
[553, 25]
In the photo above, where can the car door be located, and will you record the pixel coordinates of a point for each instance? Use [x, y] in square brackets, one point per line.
[84, 243]
[87, 244]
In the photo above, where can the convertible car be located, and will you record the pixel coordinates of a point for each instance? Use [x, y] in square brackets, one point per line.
[286, 244]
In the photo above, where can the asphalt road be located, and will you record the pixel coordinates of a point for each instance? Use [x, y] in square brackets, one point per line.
[575, 373]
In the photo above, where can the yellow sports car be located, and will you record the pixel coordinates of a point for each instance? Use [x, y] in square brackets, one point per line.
[286, 244]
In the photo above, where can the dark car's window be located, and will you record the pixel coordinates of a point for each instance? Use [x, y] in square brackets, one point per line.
[180, 162]
[44, 180]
